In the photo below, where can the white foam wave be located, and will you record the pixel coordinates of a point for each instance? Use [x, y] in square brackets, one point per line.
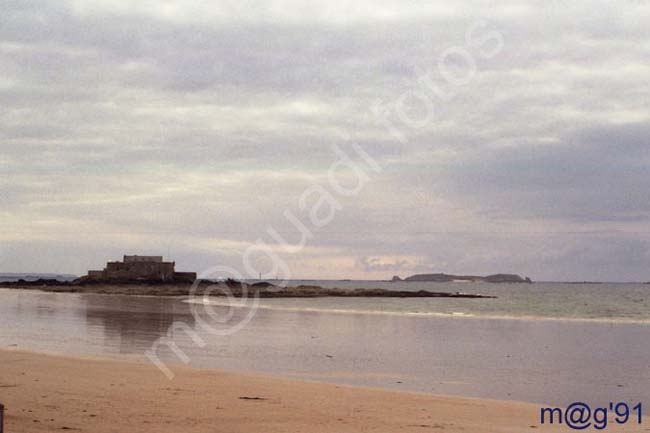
[424, 314]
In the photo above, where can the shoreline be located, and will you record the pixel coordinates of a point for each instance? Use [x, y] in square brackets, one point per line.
[45, 392]
[497, 359]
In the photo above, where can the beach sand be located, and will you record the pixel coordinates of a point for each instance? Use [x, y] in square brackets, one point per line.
[47, 393]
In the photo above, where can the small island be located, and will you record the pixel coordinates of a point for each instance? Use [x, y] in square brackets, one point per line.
[448, 278]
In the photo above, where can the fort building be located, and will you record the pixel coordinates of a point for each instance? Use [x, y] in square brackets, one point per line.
[141, 268]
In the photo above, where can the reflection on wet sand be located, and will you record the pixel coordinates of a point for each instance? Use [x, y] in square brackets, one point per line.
[133, 324]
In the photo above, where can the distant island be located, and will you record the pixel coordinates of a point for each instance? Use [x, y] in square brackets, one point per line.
[448, 278]
[13, 276]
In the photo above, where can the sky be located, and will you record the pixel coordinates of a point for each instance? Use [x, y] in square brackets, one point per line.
[400, 137]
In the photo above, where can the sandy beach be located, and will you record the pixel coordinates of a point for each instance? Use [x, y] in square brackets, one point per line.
[46, 393]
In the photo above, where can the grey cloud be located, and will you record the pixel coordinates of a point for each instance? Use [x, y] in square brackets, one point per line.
[157, 127]
[374, 264]
[593, 174]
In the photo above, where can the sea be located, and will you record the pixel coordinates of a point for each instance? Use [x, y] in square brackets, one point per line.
[564, 301]
[551, 343]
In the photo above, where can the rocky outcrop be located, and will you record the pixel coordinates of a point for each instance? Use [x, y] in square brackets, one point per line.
[230, 288]
[317, 291]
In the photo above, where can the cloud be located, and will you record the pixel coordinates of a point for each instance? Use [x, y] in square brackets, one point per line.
[190, 127]
[374, 264]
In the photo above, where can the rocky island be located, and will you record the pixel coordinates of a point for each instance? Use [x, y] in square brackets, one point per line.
[448, 278]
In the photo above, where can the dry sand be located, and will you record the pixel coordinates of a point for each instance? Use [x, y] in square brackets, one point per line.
[46, 393]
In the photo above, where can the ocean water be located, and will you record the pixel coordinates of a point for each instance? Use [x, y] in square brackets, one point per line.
[606, 301]
[539, 343]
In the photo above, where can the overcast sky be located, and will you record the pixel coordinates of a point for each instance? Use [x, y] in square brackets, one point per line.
[189, 128]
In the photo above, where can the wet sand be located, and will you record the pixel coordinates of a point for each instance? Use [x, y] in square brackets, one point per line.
[537, 361]
[47, 393]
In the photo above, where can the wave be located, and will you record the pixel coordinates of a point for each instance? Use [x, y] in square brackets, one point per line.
[424, 314]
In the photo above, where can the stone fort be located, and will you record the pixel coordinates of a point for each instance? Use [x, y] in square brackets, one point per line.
[141, 268]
